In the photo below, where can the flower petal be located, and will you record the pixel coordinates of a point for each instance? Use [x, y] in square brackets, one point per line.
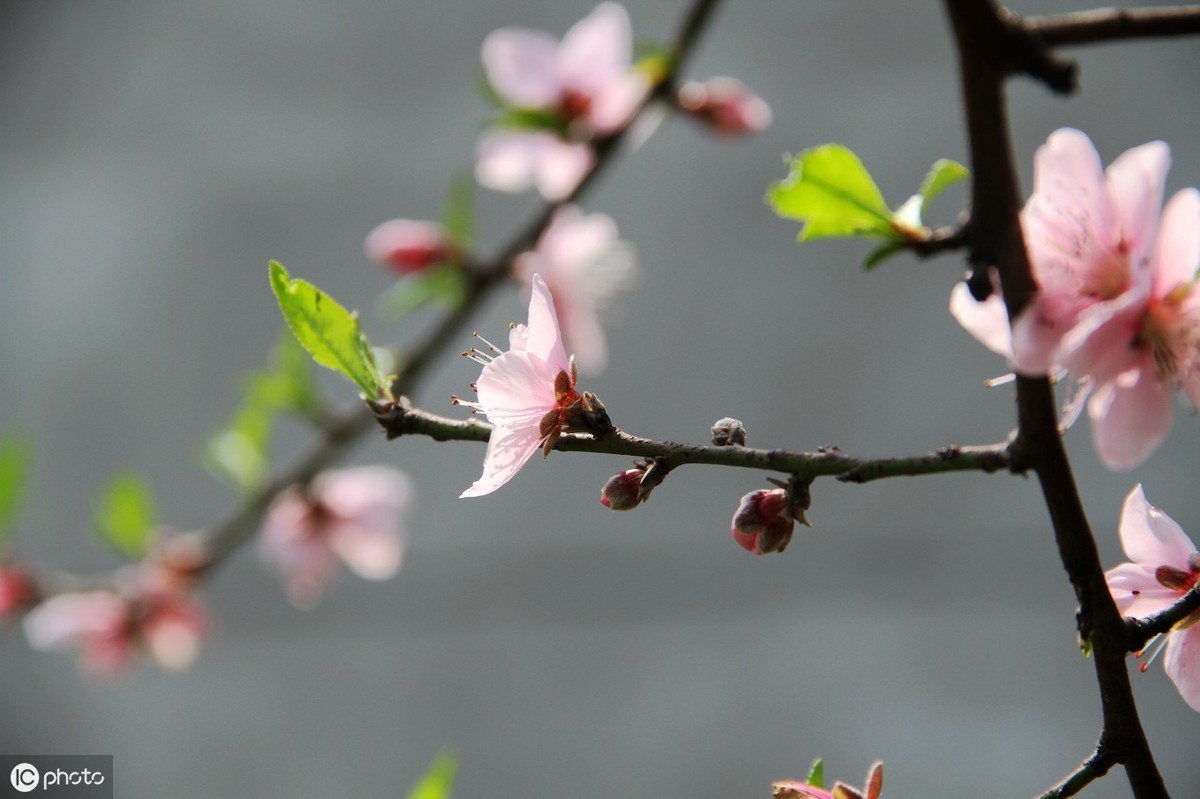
[1130, 418]
[1100, 345]
[545, 339]
[68, 619]
[559, 165]
[1177, 255]
[505, 160]
[373, 553]
[596, 50]
[1150, 537]
[987, 321]
[508, 450]
[521, 66]
[1135, 190]
[1137, 592]
[1182, 663]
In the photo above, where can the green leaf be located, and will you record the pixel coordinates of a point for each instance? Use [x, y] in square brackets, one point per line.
[943, 174]
[438, 781]
[882, 253]
[833, 194]
[816, 774]
[328, 331]
[528, 119]
[443, 283]
[15, 455]
[294, 388]
[125, 516]
[458, 212]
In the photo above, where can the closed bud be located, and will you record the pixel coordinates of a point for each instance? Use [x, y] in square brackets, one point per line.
[408, 245]
[729, 432]
[623, 490]
[763, 522]
[17, 590]
[726, 106]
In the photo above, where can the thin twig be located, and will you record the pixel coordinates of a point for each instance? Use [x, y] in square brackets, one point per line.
[1094, 767]
[1142, 630]
[1115, 24]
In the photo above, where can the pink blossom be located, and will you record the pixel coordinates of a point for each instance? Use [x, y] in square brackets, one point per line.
[356, 515]
[528, 393]
[109, 629]
[1164, 567]
[1088, 235]
[726, 105]
[408, 245]
[583, 86]
[17, 589]
[585, 265]
[1116, 304]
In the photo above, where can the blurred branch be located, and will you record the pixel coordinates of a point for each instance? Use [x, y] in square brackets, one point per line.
[827, 462]
[1115, 24]
[987, 49]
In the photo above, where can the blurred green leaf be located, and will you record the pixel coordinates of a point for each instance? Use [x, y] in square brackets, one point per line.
[458, 213]
[528, 119]
[293, 386]
[881, 253]
[15, 456]
[943, 174]
[125, 516]
[816, 774]
[443, 283]
[328, 331]
[830, 191]
[438, 782]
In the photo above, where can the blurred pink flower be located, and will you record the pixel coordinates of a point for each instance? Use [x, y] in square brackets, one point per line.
[356, 515]
[1164, 566]
[527, 393]
[17, 589]
[583, 86]
[408, 245]
[108, 629]
[585, 266]
[725, 105]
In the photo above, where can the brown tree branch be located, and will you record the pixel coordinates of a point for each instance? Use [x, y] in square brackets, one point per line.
[1115, 24]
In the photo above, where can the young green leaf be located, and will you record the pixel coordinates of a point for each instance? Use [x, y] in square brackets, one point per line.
[438, 782]
[328, 331]
[14, 470]
[295, 387]
[125, 516]
[943, 174]
[831, 192]
[816, 774]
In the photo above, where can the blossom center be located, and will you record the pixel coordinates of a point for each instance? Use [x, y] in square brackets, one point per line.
[1111, 275]
[1170, 333]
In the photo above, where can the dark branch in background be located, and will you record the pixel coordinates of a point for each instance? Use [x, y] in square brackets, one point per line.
[983, 32]
[1115, 24]
[342, 431]
[827, 462]
[1095, 766]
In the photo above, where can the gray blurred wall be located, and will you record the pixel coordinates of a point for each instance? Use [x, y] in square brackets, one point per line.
[155, 155]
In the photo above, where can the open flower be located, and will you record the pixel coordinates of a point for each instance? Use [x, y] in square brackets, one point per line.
[561, 94]
[1164, 566]
[585, 265]
[1116, 304]
[528, 394]
[108, 629]
[356, 515]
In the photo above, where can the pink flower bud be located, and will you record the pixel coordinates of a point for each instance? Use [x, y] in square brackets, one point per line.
[623, 490]
[408, 245]
[763, 522]
[726, 106]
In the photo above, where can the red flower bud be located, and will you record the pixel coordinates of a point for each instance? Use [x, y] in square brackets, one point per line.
[726, 106]
[408, 245]
[623, 490]
[17, 589]
[763, 522]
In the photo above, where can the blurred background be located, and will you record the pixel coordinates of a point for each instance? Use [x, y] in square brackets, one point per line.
[154, 154]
